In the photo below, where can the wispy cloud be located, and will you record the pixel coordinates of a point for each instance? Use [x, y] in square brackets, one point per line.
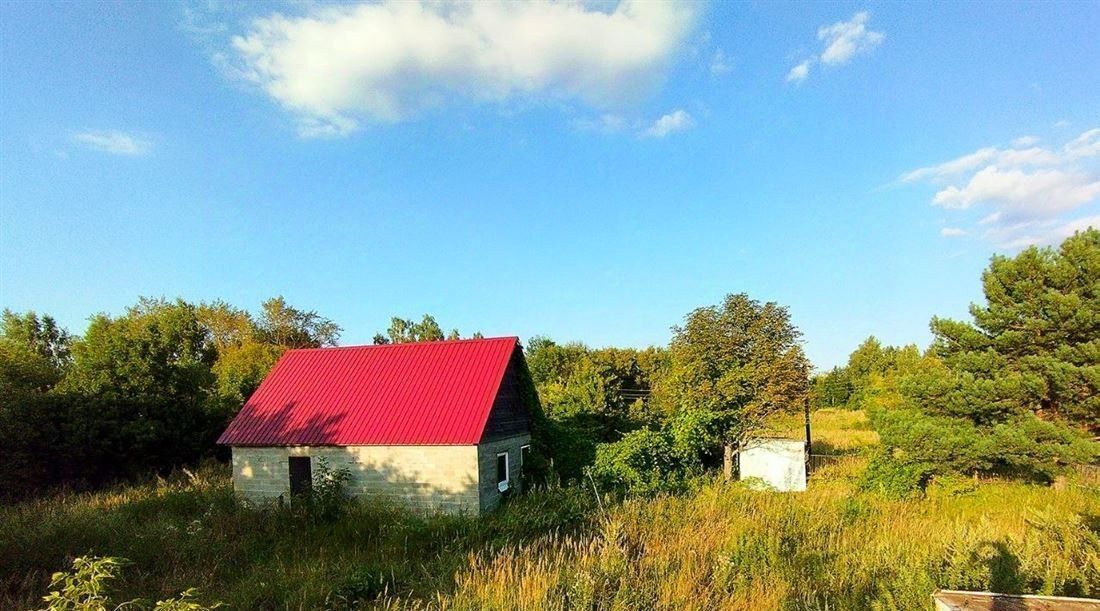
[1085, 145]
[1031, 192]
[337, 67]
[845, 39]
[952, 232]
[989, 156]
[1040, 233]
[799, 72]
[113, 142]
[841, 41]
[607, 123]
[720, 63]
[675, 121]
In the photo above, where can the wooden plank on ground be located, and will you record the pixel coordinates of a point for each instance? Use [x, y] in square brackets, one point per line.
[955, 600]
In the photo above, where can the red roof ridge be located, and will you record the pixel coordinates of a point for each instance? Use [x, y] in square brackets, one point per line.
[514, 338]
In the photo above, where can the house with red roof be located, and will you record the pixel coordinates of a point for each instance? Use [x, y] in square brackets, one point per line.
[442, 426]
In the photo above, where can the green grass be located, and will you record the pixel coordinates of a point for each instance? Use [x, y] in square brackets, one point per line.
[719, 547]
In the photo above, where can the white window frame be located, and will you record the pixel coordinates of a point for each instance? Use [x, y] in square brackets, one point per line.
[503, 485]
[522, 456]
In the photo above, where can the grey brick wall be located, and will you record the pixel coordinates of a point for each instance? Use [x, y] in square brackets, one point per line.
[431, 478]
[487, 467]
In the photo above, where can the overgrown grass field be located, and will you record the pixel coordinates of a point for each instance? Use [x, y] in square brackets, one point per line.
[720, 546]
[832, 431]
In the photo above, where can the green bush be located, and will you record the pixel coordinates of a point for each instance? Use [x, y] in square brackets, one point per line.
[642, 462]
[894, 478]
[921, 445]
[367, 584]
[698, 436]
[665, 459]
[85, 589]
[328, 497]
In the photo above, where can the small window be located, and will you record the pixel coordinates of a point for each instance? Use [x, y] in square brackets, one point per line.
[524, 452]
[301, 475]
[502, 471]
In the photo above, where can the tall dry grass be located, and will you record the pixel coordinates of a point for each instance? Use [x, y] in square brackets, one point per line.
[832, 431]
[721, 546]
[832, 548]
[192, 532]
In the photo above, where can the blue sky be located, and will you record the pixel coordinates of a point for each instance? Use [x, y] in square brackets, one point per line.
[588, 172]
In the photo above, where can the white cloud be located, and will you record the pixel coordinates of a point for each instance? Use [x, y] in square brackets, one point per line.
[1028, 190]
[610, 123]
[951, 168]
[113, 142]
[799, 72]
[1033, 156]
[675, 121]
[1085, 145]
[384, 62]
[845, 39]
[952, 232]
[1045, 234]
[842, 41]
[1029, 194]
[1076, 225]
[720, 64]
[990, 219]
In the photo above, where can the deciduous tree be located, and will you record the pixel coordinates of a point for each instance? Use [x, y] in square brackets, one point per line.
[406, 330]
[740, 360]
[157, 349]
[35, 352]
[281, 324]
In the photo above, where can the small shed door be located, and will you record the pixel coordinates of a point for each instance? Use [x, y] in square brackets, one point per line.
[301, 475]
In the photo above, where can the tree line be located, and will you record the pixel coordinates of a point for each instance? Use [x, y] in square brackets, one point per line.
[648, 420]
[148, 390]
[151, 389]
[1013, 393]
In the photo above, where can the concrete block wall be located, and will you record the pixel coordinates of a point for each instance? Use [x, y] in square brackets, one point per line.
[431, 478]
[487, 466]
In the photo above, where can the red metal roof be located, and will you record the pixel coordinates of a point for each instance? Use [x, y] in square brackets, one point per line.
[426, 393]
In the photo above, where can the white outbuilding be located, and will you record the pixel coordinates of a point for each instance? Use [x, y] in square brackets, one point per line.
[779, 463]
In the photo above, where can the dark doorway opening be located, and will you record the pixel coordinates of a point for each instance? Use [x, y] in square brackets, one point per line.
[301, 475]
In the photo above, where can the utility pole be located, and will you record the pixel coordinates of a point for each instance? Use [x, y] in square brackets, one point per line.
[809, 445]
